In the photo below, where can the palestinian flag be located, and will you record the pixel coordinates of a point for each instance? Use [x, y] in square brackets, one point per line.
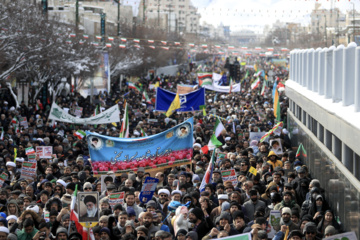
[204, 82]
[255, 84]
[75, 218]
[301, 151]
[208, 174]
[124, 131]
[146, 97]
[80, 134]
[214, 142]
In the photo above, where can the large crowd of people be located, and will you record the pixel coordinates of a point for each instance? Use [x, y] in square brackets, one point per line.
[178, 209]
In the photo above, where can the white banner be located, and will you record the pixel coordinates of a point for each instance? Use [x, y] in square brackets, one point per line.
[224, 89]
[108, 116]
[343, 236]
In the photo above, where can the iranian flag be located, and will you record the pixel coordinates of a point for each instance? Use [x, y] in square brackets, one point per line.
[124, 131]
[122, 46]
[75, 218]
[244, 48]
[111, 38]
[191, 44]
[29, 151]
[98, 37]
[137, 40]
[258, 48]
[123, 39]
[255, 84]
[231, 47]
[263, 89]
[146, 97]
[80, 134]
[301, 151]
[204, 75]
[133, 86]
[204, 46]
[150, 41]
[108, 45]
[208, 173]
[85, 36]
[15, 120]
[177, 43]
[214, 142]
[39, 105]
[270, 49]
[230, 85]
[143, 133]
[164, 42]
[217, 46]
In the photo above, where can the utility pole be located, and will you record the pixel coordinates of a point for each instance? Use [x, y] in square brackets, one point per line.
[118, 18]
[159, 13]
[77, 14]
[144, 12]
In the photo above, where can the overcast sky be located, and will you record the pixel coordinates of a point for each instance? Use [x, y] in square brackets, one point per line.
[254, 14]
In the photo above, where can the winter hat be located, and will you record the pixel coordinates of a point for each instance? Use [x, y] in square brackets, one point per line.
[330, 230]
[151, 203]
[193, 235]
[225, 206]
[197, 212]
[286, 210]
[225, 215]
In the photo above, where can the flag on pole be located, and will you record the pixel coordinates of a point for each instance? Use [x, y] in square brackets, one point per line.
[174, 105]
[15, 154]
[146, 97]
[80, 134]
[255, 84]
[301, 151]
[39, 105]
[143, 133]
[29, 151]
[214, 142]
[208, 174]
[276, 105]
[75, 218]
[133, 86]
[263, 89]
[2, 134]
[230, 85]
[14, 120]
[253, 171]
[124, 131]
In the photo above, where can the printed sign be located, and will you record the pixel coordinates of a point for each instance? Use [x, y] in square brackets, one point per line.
[3, 178]
[115, 198]
[88, 203]
[343, 236]
[167, 149]
[245, 236]
[32, 158]
[275, 216]
[276, 146]
[229, 175]
[28, 170]
[24, 122]
[148, 189]
[47, 216]
[78, 111]
[257, 136]
[44, 151]
[220, 156]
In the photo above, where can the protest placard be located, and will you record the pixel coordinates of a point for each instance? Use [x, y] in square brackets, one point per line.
[28, 170]
[275, 216]
[78, 111]
[343, 236]
[44, 151]
[3, 177]
[115, 198]
[148, 189]
[229, 175]
[24, 122]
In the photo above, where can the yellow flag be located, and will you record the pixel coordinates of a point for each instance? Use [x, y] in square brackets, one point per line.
[157, 84]
[114, 124]
[253, 171]
[276, 104]
[255, 67]
[174, 105]
[15, 154]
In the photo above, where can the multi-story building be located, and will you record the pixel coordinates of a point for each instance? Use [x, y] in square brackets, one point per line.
[173, 15]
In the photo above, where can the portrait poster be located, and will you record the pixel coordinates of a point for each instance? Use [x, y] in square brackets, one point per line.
[88, 205]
